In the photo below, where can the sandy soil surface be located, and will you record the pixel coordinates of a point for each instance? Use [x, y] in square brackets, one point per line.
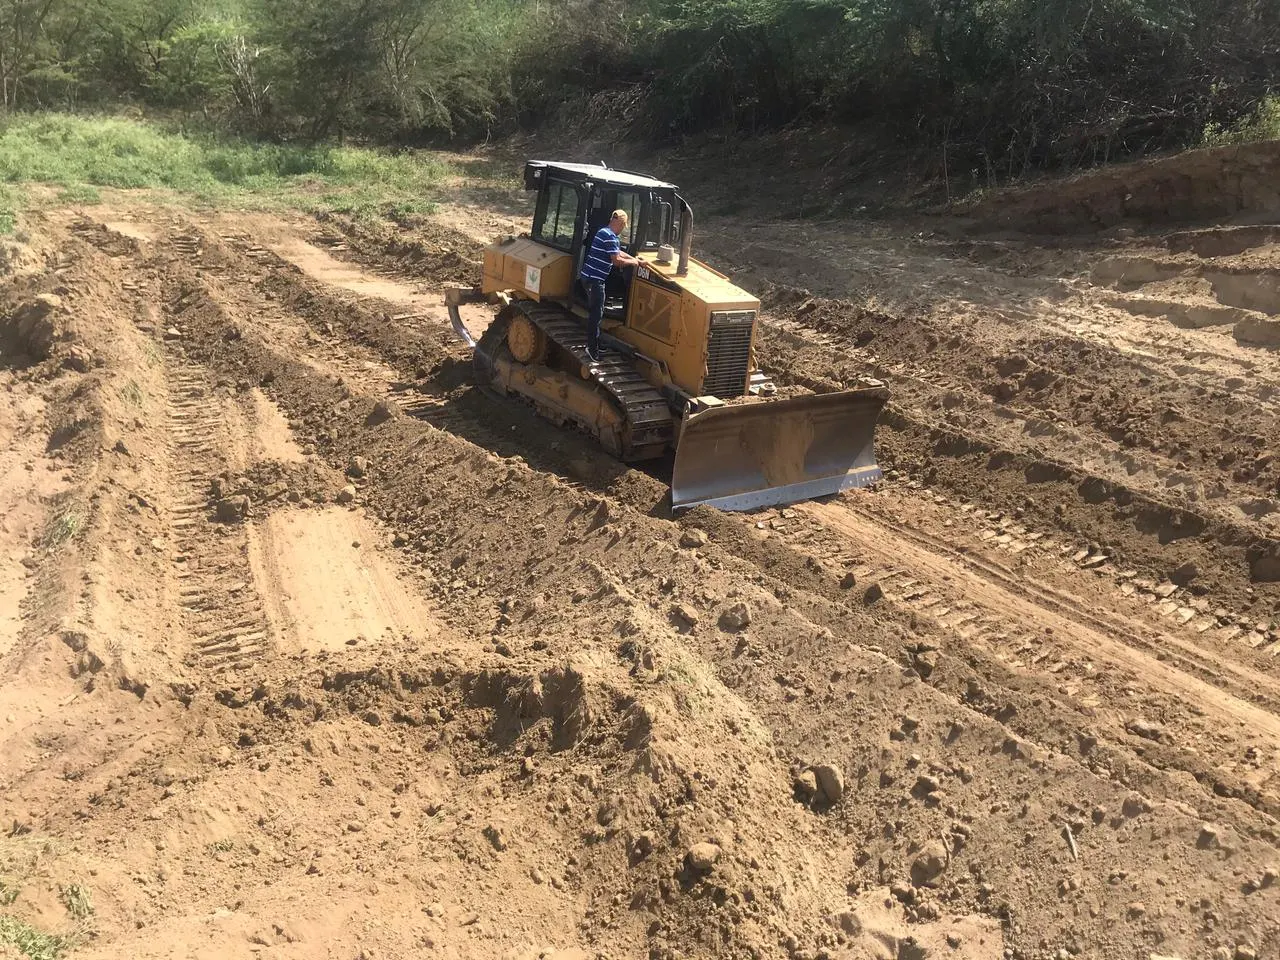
[309, 648]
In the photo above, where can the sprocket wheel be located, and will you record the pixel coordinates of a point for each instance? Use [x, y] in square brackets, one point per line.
[526, 341]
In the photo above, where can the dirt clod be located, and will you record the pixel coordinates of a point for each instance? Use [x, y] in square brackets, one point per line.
[805, 785]
[737, 617]
[930, 864]
[830, 783]
[383, 411]
[693, 538]
[232, 509]
[702, 857]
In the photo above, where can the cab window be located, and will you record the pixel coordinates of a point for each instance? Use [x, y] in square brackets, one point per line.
[630, 202]
[557, 216]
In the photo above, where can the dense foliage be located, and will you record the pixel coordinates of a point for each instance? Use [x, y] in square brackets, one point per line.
[1002, 85]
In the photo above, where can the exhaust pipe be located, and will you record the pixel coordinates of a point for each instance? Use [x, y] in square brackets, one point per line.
[686, 237]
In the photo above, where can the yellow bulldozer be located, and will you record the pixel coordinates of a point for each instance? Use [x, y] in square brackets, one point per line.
[677, 368]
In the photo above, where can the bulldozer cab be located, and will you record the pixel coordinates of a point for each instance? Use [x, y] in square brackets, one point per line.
[576, 200]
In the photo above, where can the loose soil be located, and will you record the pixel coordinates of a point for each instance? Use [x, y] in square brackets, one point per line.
[310, 648]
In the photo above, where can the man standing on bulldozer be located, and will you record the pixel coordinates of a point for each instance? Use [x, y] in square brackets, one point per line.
[605, 254]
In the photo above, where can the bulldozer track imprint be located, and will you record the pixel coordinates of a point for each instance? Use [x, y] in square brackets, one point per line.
[222, 611]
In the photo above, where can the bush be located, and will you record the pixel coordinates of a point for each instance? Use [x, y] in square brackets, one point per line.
[999, 86]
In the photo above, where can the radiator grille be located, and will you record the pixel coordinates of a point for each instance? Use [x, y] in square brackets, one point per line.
[729, 353]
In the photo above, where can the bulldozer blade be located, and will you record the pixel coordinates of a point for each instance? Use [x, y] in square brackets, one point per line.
[775, 452]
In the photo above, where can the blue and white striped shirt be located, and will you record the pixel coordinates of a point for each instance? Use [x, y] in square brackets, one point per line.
[599, 259]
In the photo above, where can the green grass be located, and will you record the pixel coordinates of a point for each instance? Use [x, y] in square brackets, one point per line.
[29, 941]
[12, 199]
[64, 527]
[75, 897]
[132, 393]
[1264, 124]
[80, 154]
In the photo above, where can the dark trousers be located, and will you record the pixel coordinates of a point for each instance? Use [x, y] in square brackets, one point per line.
[595, 312]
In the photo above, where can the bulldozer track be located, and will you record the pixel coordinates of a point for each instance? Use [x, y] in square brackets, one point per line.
[221, 609]
[646, 411]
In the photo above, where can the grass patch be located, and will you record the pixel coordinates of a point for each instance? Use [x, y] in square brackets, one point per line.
[64, 527]
[81, 153]
[81, 193]
[1264, 124]
[131, 393]
[29, 941]
[75, 897]
[12, 199]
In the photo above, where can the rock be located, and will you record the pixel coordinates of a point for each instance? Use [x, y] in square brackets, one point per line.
[358, 467]
[383, 411]
[1146, 729]
[1207, 837]
[1184, 574]
[925, 785]
[693, 538]
[1137, 909]
[496, 836]
[848, 921]
[172, 333]
[930, 864]
[830, 783]
[79, 359]
[925, 663]
[848, 581]
[1244, 951]
[643, 845]
[872, 594]
[232, 509]
[1135, 804]
[685, 615]
[806, 785]
[737, 617]
[346, 494]
[701, 857]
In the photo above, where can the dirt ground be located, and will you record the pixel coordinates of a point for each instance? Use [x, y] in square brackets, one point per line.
[309, 648]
